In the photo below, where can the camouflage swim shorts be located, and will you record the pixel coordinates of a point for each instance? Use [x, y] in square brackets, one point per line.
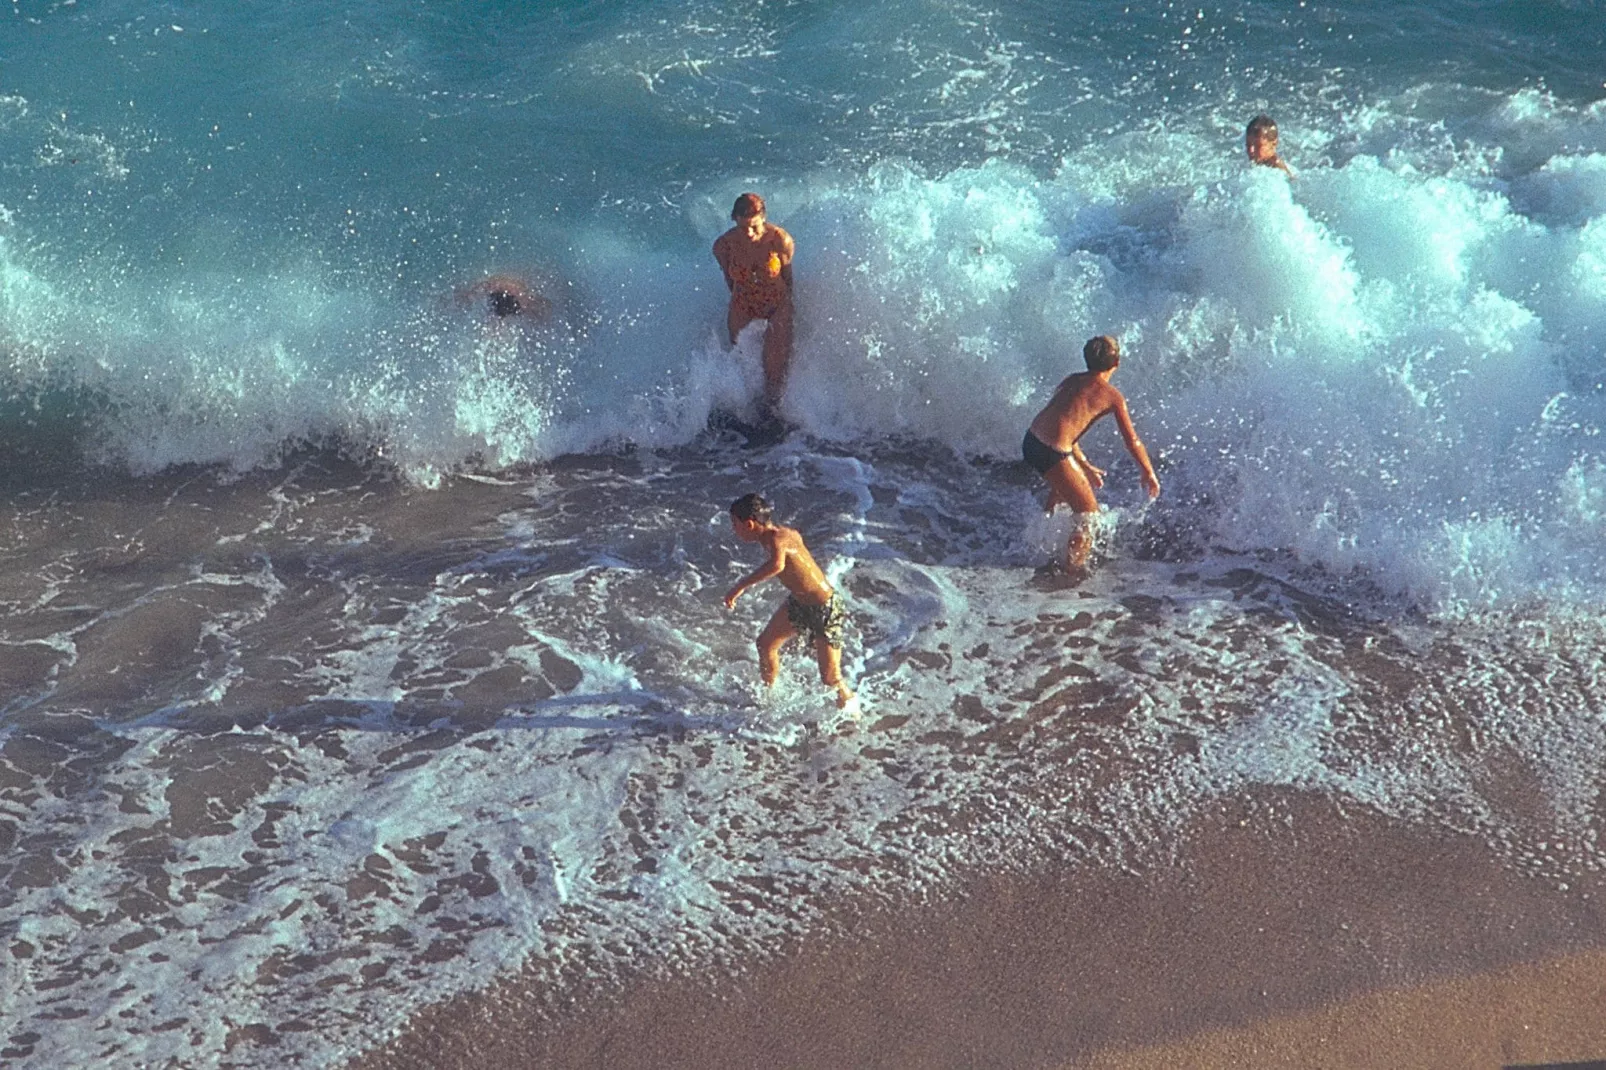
[818, 622]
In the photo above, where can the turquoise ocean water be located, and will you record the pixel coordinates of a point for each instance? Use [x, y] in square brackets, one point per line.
[355, 651]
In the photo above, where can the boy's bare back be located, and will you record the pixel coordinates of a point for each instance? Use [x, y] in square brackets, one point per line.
[1077, 404]
[1050, 444]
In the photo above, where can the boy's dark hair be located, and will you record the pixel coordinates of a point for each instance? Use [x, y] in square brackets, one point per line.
[1101, 353]
[1262, 125]
[751, 507]
[747, 206]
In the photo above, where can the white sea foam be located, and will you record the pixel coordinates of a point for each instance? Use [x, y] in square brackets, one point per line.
[288, 754]
[1390, 364]
[547, 738]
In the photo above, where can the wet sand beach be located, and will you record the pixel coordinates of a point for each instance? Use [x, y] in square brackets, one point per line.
[1285, 932]
[367, 695]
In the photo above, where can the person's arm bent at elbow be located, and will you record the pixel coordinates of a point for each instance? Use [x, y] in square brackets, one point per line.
[1134, 446]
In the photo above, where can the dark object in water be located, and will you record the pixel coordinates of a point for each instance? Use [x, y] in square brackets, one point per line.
[504, 303]
[766, 430]
[1053, 577]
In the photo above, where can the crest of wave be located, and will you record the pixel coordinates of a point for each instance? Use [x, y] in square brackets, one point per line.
[1382, 366]
[206, 371]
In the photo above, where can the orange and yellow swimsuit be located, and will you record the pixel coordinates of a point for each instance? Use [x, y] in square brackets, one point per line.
[759, 290]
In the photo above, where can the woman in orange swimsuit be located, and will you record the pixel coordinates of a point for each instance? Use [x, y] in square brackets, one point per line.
[756, 257]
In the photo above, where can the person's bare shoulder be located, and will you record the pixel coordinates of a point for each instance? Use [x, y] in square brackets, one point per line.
[789, 537]
[1072, 386]
[778, 539]
[1109, 397]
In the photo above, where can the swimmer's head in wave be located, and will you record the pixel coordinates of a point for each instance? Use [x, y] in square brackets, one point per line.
[506, 298]
[1260, 142]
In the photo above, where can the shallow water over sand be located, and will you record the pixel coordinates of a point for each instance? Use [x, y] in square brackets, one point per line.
[356, 648]
[289, 756]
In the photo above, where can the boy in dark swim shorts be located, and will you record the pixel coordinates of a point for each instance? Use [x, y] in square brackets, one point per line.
[811, 609]
[1051, 448]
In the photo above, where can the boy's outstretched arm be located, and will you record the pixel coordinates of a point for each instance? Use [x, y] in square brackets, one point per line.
[1134, 445]
[767, 571]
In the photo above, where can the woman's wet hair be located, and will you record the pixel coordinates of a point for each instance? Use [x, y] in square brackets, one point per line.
[751, 507]
[748, 205]
[1101, 353]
